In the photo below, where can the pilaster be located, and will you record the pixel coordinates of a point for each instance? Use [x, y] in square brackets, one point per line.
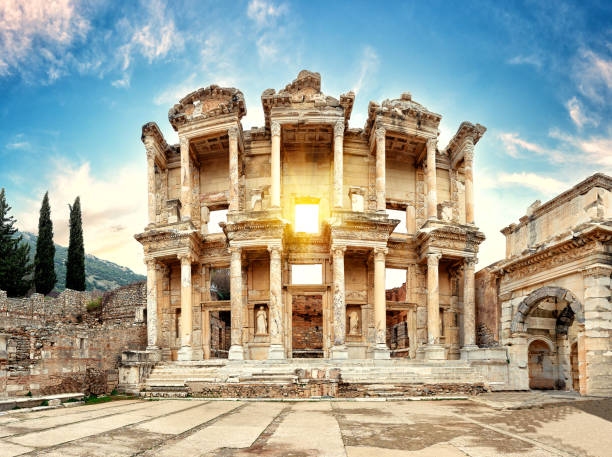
[275, 165]
[338, 163]
[339, 307]
[277, 349]
[381, 202]
[380, 350]
[236, 351]
[186, 350]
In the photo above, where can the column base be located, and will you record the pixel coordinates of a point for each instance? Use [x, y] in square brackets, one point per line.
[236, 352]
[154, 353]
[185, 353]
[339, 352]
[467, 350]
[276, 352]
[380, 351]
[435, 352]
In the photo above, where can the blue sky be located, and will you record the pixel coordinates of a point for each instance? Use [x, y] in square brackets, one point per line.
[78, 80]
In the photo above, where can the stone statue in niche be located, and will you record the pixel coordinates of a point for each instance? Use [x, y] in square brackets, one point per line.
[262, 322]
[353, 323]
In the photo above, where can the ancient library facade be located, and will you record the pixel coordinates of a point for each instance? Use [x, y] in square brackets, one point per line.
[276, 242]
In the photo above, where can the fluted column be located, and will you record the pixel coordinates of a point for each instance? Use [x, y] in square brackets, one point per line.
[381, 202]
[275, 165]
[232, 133]
[185, 352]
[277, 349]
[339, 309]
[468, 162]
[469, 304]
[152, 305]
[433, 299]
[236, 351]
[432, 196]
[338, 163]
[151, 180]
[381, 351]
[186, 180]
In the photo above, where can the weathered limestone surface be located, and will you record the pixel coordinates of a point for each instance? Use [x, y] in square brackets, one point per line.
[552, 292]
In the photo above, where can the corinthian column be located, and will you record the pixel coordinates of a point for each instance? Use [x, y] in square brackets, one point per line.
[151, 179]
[432, 197]
[277, 349]
[152, 305]
[469, 304]
[433, 351]
[185, 352]
[275, 165]
[186, 180]
[381, 351]
[381, 202]
[232, 133]
[338, 162]
[236, 352]
[339, 311]
[468, 162]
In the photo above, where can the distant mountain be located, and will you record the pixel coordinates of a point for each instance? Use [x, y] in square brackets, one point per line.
[99, 274]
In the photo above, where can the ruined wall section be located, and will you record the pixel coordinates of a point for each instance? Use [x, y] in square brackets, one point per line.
[52, 345]
[488, 308]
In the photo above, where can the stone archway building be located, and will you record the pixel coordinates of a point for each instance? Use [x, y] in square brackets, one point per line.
[555, 284]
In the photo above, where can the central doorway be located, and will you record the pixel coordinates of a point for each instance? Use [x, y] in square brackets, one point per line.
[307, 326]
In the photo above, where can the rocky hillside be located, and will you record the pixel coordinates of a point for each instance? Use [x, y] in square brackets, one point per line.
[99, 274]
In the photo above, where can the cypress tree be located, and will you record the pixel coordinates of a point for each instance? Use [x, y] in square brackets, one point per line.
[15, 266]
[44, 268]
[75, 265]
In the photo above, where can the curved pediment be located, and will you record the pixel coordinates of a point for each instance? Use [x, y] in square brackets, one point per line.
[209, 102]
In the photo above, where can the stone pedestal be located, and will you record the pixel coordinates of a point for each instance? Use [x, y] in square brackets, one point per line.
[435, 352]
[276, 352]
[466, 351]
[339, 353]
[380, 352]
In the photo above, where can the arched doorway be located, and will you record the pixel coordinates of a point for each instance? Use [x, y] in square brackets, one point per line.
[574, 367]
[541, 367]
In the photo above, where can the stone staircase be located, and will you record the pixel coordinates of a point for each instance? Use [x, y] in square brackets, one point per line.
[308, 377]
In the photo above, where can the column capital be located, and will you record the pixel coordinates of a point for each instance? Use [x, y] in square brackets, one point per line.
[162, 268]
[274, 250]
[338, 250]
[150, 263]
[468, 150]
[232, 133]
[235, 250]
[470, 262]
[380, 134]
[432, 143]
[184, 141]
[380, 253]
[275, 128]
[433, 258]
[338, 129]
[185, 258]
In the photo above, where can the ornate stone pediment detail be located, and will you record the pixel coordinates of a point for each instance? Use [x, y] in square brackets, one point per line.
[259, 229]
[304, 94]
[208, 102]
[450, 238]
[168, 242]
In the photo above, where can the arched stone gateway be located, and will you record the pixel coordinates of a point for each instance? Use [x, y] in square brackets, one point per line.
[573, 309]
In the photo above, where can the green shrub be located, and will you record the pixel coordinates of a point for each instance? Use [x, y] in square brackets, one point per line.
[114, 392]
[94, 304]
[44, 403]
[29, 394]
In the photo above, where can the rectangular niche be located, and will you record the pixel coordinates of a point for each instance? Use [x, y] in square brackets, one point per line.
[307, 274]
[354, 322]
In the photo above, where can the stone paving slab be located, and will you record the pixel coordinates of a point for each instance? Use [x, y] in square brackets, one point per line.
[182, 428]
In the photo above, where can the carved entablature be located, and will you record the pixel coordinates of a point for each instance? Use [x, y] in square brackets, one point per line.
[451, 241]
[303, 98]
[155, 144]
[256, 231]
[462, 143]
[404, 116]
[563, 253]
[170, 243]
[210, 102]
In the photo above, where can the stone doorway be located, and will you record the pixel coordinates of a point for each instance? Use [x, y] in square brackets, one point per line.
[574, 367]
[541, 366]
[307, 326]
[220, 334]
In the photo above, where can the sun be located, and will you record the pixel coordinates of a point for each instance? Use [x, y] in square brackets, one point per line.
[307, 218]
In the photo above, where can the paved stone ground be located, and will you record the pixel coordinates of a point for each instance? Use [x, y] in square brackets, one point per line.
[181, 428]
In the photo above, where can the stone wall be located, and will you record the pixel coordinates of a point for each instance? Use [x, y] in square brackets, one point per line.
[52, 345]
[488, 308]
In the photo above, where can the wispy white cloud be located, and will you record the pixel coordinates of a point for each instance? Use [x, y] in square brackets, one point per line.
[264, 13]
[513, 144]
[36, 33]
[18, 145]
[594, 149]
[526, 60]
[109, 219]
[576, 112]
[593, 74]
[542, 184]
[367, 67]
[122, 83]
